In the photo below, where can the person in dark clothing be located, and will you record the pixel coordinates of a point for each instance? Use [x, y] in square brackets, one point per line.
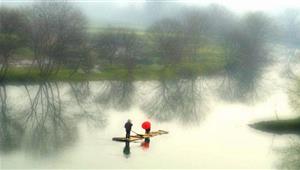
[127, 127]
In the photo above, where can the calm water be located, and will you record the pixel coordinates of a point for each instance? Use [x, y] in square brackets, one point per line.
[70, 125]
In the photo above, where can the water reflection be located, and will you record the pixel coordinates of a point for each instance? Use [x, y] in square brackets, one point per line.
[117, 94]
[146, 144]
[85, 100]
[48, 130]
[246, 57]
[240, 85]
[11, 131]
[176, 99]
[126, 150]
[289, 156]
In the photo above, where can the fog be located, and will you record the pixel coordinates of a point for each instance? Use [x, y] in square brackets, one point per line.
[72, 72]
[141, 13]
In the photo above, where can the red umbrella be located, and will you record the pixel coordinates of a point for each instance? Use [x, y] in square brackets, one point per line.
[146, 125]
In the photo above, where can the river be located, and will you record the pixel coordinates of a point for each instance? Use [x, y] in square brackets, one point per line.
[71, 125]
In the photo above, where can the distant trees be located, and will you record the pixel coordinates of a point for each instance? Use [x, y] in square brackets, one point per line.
[106, 45]
[247, 41]
[194, 25]
[246, 52]
[167, 39]
[180, 39]
[120, 46]
[57, 35]
[12, 37]
[56, 29]
[131, 49]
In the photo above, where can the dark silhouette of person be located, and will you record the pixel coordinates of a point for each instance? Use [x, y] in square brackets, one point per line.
[127, 127]
[126, 150]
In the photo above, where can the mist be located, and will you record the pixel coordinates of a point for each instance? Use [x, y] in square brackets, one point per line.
[73, 72]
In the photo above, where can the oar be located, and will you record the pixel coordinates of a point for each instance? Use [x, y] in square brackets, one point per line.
[137, 133]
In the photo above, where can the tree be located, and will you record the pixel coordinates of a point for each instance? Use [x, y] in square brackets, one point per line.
[194, 22]
[12, 36]
[130, 48]
[106, 44]
[56, 27]
[167, 39]
[120, 46]
[247, 54]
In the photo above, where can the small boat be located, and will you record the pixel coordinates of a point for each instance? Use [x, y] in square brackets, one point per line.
[140, 136]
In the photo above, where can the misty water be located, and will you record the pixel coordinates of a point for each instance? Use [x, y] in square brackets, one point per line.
[71, 125]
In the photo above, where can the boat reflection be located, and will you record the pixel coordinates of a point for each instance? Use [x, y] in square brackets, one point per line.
[145, 145]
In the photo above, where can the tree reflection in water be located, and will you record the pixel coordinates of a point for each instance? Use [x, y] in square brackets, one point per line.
[11, 131]
[176, 99]
[289, 156]
[117, 94]
[47, 129]
[240, 85]
[89, 110]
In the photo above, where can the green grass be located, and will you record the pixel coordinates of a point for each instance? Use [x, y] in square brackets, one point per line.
[141, 72]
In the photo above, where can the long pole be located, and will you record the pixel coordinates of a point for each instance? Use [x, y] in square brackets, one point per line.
[137, 133]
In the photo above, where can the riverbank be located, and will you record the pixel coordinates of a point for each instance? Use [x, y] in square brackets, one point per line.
[141, 72]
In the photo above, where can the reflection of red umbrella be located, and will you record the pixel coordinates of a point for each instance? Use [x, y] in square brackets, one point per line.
[146, 125]
[145, 145]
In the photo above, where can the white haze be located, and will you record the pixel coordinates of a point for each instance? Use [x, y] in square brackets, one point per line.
[141, 13]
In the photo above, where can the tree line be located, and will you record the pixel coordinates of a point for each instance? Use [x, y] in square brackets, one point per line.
[58, 37]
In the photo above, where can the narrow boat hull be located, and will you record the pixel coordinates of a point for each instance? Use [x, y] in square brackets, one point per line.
[140, 137]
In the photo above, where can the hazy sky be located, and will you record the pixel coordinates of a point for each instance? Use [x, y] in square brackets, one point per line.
[235, 5]
[130, 11]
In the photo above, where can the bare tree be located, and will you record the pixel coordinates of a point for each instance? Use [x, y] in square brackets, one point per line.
[12, 36]
[194, 22]
[130, 49]
[120, 46]
[56, 27]
[167, 38]
[106, 45]
[246, 55]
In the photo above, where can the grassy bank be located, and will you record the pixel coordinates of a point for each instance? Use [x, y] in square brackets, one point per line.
[141, 72]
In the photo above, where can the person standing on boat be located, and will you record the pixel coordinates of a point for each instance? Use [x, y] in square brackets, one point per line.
[147, 126]
[127, 127]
